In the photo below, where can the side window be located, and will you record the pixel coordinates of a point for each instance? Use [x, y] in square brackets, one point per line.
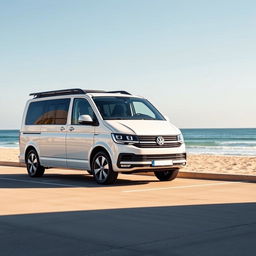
[56, 111]
[35, 113]
[81, 107]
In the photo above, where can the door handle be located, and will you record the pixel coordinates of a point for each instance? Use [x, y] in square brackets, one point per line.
[71, 129]
[62, 128]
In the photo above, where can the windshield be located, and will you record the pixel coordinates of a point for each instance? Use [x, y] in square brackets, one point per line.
[126, 108]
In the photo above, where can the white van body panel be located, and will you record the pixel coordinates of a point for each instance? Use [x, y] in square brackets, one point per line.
[27, 142]
[53, 145]
[143, 127]
[79, 140]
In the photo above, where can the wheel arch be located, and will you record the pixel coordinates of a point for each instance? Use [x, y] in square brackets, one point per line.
[95, 151]
[28, 148]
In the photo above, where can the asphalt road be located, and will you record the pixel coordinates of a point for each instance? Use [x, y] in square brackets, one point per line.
[66, 213]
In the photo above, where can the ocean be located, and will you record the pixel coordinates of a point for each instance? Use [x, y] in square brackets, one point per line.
[240, 142]
[9, 138]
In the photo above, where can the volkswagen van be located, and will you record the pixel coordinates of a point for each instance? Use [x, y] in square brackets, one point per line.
[103, 132]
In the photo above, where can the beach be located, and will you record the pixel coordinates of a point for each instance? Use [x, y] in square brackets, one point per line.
[242, 165]
[9, 154]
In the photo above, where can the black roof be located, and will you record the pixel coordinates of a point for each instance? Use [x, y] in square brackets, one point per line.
[70, 92]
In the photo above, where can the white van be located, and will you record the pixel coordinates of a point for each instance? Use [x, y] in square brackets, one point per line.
[102, 132]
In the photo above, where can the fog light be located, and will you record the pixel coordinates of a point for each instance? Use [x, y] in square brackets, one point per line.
[125, 165]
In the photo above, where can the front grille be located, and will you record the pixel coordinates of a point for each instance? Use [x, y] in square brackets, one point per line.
[155, 145]
[170, 141]
[141, 158]
[153, 138]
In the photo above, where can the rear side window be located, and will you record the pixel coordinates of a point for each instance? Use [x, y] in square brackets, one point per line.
[35, 113]
[56, 111]
[48, 112]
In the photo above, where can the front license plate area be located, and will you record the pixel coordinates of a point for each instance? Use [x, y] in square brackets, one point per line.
[162, 163]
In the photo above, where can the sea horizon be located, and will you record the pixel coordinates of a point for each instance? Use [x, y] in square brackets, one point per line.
[210, 141]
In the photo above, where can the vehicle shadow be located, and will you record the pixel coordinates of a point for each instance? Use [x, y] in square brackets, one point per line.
[56, 180]
[217, 229]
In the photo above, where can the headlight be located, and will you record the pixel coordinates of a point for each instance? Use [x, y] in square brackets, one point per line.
[180, 138]
[124, 138]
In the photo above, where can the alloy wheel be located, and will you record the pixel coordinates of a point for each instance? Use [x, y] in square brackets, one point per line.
[101, 168]
[32, 163]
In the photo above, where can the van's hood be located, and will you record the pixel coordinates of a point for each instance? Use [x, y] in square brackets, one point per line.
[142, 127]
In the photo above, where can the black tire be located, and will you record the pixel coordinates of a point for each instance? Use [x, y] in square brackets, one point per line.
[34, 168]
[102, 169]
[167, 175]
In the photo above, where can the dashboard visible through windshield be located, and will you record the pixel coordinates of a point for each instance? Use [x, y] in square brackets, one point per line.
[126, 108]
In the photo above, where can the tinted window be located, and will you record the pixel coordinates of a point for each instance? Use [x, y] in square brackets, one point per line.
[81, 107]
[35, 113]
[48, 112]
[127, 108]
[56, 111]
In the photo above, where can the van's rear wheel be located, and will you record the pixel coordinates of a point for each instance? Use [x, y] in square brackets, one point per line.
[102, 169]
[167, 175]
[34, 168]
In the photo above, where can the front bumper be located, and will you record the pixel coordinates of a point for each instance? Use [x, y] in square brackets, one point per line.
[143, 162]
[128, 162]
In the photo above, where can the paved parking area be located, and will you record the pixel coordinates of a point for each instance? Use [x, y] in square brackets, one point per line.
[66, 212]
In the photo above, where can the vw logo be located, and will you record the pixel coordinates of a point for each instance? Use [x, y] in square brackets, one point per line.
[160, 141]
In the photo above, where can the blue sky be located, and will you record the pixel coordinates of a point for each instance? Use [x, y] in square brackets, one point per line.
[195, 60]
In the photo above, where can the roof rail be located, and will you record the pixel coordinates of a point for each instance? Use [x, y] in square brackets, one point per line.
[94, 91]
[57, 93]
[122, 92]
[70, 92]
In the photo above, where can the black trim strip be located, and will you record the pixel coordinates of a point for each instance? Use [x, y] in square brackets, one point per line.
[31, 133]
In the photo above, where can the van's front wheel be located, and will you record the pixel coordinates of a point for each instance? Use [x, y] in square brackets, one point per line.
[167, 175]
[34, 168]
[102, 169]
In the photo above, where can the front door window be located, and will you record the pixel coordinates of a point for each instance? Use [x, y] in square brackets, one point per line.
[81, 107]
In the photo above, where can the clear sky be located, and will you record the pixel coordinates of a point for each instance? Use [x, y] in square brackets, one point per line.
[195, 60]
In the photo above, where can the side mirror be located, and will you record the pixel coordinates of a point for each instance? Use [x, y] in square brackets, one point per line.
[85, 119]
[167, 118]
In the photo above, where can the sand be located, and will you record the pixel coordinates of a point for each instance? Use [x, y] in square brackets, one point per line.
[196, 163]
[9, 154]
[221, 164]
